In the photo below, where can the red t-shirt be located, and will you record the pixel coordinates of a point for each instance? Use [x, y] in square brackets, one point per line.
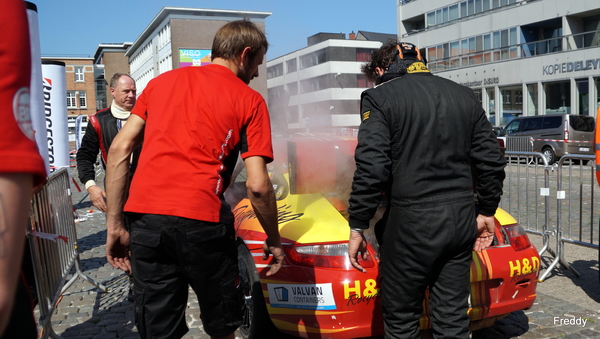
[197, 118]
[18, 151]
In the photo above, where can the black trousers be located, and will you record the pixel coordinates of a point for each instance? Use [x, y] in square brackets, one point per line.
[428, 244]
[169, 254]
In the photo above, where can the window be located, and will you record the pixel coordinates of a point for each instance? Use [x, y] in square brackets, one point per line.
[312, 59]
[71, 99]
[291, 65]
[453, 12]
[512, 127]
[363, 54]
[79, 74]
[275, 71]
[82, 100]
[362, 81]
[292, 88]
[431, 19]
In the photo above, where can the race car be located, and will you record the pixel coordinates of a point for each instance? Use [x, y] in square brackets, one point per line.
[317, 293]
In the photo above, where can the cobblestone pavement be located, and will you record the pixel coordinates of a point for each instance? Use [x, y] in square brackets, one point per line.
[87, 312]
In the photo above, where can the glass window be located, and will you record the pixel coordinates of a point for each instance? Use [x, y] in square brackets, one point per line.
[292, 88]
[487, 42]
[445, 15]
[558, 97]
[454, 49]
[82, 100]
[532, 124]
[471, 7]
[465, 52]
[512, 100]
[363, 54]
[431, 54]
[512, 127]
[583, 95]
[453, 12]
[463, 9]
[71, 103]
[584, 124]
[79, 74]
[438, 17]
[478, 6]
[486, 5]
[495, 3]
[532, 99]
[513, 36]
[491, 110]
[291, 65]
[552, 122]
[431, 19]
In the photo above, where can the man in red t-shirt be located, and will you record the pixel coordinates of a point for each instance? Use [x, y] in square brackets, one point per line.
[21, 168]
[194, 122]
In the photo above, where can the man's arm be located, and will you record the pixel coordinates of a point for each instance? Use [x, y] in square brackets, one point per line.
[117, 176]
[262, 197]
[86, 158]
[371, 176]
[489, 165]
[15, 202]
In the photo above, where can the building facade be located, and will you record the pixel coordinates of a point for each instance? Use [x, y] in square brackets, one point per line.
[179, 37]
[318, 88]
[108, 60]
[521, 57]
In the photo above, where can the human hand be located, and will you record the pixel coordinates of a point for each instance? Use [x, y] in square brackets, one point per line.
[485, 232]
[274, 248]
[98, 197]
[357, 244]
[117, 248]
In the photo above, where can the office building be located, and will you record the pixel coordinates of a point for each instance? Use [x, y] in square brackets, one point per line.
[179, 37]
[521, 57]
[317, 88]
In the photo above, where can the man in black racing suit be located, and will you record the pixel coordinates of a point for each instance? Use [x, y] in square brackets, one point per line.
[101, 130]
[419, 138]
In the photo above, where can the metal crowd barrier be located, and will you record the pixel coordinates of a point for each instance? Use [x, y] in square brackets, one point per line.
[575, 213]
[53, 241]
[527, 188]
[527, 193]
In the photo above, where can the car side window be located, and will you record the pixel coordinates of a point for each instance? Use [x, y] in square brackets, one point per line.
[553, 122]
[532, 124]
[512, 127]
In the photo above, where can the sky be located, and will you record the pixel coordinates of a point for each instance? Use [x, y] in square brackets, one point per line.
[77, 27]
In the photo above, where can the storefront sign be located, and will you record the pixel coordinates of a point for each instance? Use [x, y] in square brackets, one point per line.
[567, 67]
[484, 82]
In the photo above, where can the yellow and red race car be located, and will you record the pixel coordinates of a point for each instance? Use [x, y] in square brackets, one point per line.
[317, 293]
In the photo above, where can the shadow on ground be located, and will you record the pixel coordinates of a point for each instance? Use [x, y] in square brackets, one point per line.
[112, 314]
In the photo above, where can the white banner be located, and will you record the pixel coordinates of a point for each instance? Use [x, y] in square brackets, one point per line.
[55, 111]
[78, 131]
[38, 120]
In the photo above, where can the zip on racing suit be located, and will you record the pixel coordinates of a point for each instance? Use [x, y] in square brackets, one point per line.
[419, 138]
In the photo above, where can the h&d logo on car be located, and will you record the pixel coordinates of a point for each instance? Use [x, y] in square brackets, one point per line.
[302, 296]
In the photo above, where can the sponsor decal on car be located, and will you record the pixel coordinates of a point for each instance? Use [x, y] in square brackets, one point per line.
[524, 266]
[302, 296]
[356, 292]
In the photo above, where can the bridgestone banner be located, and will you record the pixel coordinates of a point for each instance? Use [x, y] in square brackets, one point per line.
[38, 120]
[55, 110]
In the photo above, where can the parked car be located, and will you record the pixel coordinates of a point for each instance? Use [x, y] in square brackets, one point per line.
[317, 293]
[555, 135]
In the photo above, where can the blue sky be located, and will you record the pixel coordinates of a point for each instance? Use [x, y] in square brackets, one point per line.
[76, 27]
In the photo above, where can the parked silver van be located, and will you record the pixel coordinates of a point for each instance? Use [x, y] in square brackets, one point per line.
[555, 135]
